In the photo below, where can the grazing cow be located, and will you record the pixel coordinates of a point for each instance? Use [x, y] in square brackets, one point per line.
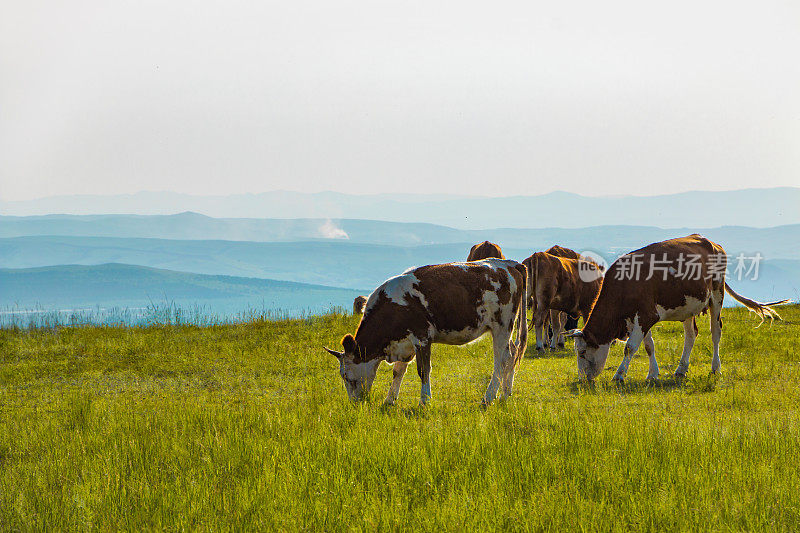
[485, 250]
[561, 251]
[673, 280]
[453, 303]
[558, 286]
[358, 305]
[569, 321]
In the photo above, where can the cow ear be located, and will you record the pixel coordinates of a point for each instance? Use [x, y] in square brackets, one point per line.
[349, 344]
[574, 333]
[337, 355]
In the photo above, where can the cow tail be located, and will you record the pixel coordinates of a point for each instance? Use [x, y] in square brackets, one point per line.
[522, 319]
[532, 280]
[764, 310]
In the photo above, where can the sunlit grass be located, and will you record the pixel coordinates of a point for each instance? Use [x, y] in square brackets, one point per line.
[248, 426]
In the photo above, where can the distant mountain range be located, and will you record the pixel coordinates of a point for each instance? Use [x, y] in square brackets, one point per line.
[336, 263]
[231, 265]
[751, 207]
[777, 242]
[129, 286]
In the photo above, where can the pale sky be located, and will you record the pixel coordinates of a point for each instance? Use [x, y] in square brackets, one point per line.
[485, 98]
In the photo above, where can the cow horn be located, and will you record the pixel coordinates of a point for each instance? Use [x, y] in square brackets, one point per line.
[574, 333]
[337, 355]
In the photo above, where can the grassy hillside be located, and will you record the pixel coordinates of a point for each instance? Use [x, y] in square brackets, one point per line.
[247, 426]
[129, 286]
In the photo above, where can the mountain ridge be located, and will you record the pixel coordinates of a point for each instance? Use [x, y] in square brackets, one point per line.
[757, 207]
[194, 226]
[332, 263]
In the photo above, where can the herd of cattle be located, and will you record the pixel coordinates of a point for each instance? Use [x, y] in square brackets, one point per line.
[456, 303]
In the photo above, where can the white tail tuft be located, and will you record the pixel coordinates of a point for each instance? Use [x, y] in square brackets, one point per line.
[763, 310]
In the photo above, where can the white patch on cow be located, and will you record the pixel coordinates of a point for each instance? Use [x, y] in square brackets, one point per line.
[633, 324]
[358, 377]
[416, 292]
[403, 349]
[590, 360]
[372, 299]
[396, 288]
[692, 307]
[491, 304]
[635, 336]
[431, 331]
[398, 372]
[689, 336]
[650, 348]
[399, 289]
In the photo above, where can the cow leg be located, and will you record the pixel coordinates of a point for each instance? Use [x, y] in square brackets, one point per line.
[503, 364]
[689, 335]
[635, 338]
[539, 319]
[510, 369]
[557, 320]
[548, 329]
[398, 371]
[650, 348]
[424, 371]
[715, 311]
[564, 321]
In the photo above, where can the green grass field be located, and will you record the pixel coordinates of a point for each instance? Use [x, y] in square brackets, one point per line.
[249, 427]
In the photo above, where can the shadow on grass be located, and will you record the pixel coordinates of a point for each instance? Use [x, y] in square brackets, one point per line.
[415, 412]
[560, 353]
[695, 385]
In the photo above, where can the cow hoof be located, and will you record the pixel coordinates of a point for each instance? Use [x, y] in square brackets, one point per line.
[652, 379]
[619, 380]
[679, 376]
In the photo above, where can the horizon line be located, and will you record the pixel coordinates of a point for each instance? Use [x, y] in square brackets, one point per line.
[402, 194]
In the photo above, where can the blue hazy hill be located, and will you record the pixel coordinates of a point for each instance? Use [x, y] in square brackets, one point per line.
[330, 263]
[129, 286]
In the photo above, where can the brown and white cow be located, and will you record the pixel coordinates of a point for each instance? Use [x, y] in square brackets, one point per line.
[558, 286]
[453, 303]
[485, 250]
[569, 321]
[672, 280]
[358, 305]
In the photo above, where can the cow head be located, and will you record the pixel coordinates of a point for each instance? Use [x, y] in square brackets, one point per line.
[357, 374]
[591, 357]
